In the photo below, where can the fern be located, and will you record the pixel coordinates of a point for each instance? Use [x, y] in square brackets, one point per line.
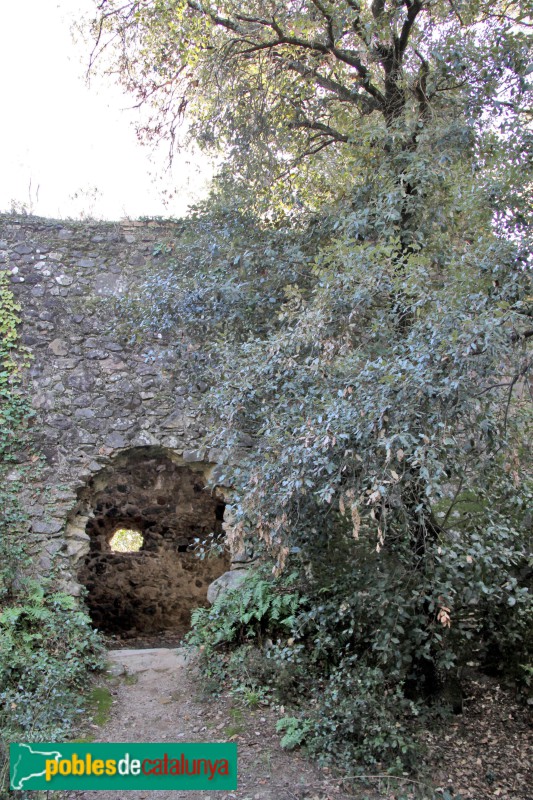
[295, 731]
[258, 607]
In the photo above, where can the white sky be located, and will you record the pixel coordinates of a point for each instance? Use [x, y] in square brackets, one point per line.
[68, 150]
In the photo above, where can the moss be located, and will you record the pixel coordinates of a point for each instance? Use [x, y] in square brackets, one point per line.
[83, 739]
[233, 730]
[99, 702]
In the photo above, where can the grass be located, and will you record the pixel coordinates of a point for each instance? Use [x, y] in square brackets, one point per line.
[233, 730]
[236, 726]
[236, 714]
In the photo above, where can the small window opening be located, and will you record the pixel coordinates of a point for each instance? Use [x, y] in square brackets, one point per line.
[126, 540]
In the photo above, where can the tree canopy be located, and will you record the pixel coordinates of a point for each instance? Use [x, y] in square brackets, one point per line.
[272, 83]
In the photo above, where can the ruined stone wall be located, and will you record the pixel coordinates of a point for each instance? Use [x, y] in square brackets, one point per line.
[99, 395]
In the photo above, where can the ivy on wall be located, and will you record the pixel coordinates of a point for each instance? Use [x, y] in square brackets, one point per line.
[14, 415]
[13, 407]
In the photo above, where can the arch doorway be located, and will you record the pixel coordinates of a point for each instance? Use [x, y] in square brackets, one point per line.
[158, 511]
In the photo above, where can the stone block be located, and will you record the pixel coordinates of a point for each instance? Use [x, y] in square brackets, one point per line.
[58, 347]
[51, 527]
[115, 440]
[193, 455]
[76, 549]
[229, 580]
[64, 280]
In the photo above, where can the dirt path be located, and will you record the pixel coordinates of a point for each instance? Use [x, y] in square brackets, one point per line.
[156, 700]
[485, 754]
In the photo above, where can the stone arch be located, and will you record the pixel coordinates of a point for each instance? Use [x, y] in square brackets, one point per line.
[149, 489]
[99, 393]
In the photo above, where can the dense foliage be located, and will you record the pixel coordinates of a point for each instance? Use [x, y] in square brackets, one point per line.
[361, 276]
[47, 644]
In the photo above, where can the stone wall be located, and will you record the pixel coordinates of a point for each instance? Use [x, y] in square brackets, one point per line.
[104, 399]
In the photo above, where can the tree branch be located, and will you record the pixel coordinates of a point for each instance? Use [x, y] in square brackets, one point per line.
[346, 56]
[378, 7]
[420, 87]
[342, 92]
[224, 22]
[456, 12]
[412, 13]
[516, 337]
[328, 18]
[321, 128]
[96, 49]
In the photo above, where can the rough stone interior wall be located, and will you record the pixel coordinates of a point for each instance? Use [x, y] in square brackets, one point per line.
[146, 592]
[157, 587]
[98, 390]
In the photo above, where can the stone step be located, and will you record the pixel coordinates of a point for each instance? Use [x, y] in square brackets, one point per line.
[158, 659]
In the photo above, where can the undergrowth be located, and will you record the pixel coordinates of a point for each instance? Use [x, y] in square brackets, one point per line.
[326, 646]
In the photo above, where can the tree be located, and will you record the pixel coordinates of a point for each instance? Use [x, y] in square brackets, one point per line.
[272, 83]
[367, 292]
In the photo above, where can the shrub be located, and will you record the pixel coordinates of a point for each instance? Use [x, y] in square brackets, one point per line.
[46, 647]
[259, 608]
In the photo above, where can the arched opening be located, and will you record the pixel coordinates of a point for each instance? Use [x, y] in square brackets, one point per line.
[147, 515]
[126, 540]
